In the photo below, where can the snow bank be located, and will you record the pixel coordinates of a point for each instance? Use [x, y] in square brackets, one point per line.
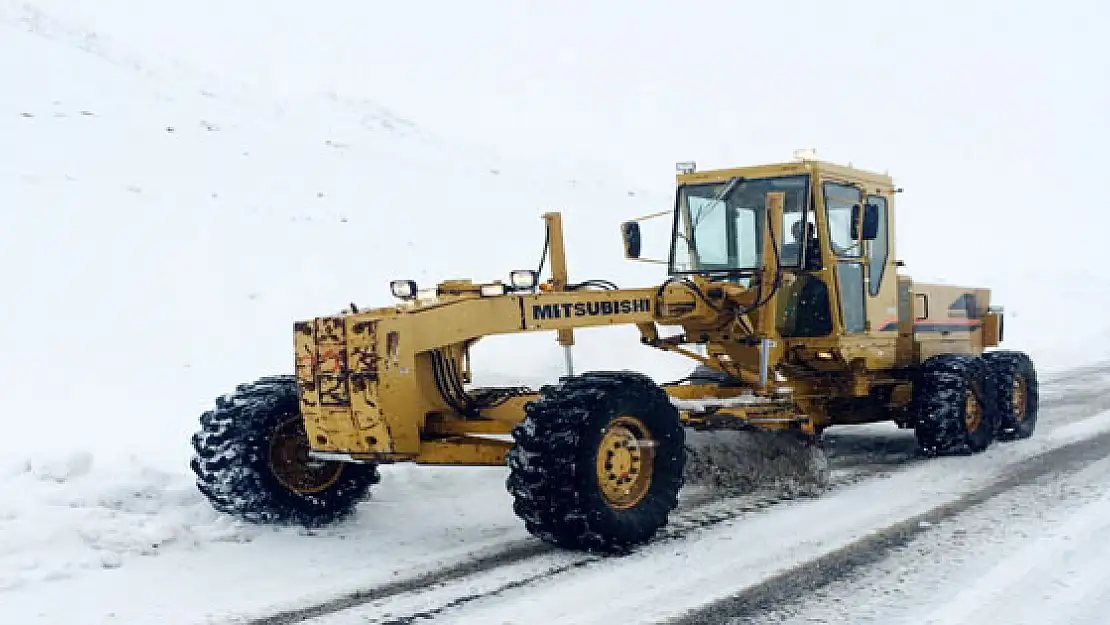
[61, 515]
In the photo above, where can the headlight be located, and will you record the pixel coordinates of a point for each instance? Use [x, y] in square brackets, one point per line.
[403, 289]
[523, 279]
[493, 290]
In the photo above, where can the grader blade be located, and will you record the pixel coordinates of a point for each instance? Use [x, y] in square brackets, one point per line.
[747, 443]
[737, 461]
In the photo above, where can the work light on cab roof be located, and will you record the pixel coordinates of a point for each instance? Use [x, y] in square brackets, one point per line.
[403, 289]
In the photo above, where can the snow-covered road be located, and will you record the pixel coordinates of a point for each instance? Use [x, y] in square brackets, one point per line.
[444, 544]
[1034, 554]
[736, 564]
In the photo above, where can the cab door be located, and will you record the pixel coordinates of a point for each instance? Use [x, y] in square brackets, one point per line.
[891, 337]
[882, 288]
[839, 199]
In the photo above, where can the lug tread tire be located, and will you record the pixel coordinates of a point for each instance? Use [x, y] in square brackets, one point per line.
[1006, 366]
[552, 466]
[233, 472]
[938, 405]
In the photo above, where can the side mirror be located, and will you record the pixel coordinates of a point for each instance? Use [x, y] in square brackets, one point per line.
[630, 233]
[867, 220]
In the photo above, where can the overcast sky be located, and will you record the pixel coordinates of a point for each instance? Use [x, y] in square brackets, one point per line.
[992, 115]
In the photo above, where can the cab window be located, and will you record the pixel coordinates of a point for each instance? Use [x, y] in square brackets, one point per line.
[839, 200]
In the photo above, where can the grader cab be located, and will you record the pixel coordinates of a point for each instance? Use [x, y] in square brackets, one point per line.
[784, 283]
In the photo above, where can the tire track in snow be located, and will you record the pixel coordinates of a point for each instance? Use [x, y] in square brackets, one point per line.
[795, 583]
[854, 458]
[704, 514]
[703, 510]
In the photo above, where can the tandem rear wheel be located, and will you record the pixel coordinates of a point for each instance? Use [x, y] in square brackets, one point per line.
[1018, 398]
[962, 403]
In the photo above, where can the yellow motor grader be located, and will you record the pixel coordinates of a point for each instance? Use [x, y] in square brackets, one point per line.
[784, 286]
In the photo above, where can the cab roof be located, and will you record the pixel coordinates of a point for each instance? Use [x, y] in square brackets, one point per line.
[823, 169]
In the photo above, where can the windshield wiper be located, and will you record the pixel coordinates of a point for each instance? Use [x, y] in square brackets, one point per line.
[717, 199]
[728, 188]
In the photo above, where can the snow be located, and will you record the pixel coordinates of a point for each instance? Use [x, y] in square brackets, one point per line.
[705, 403]
[1056, 570]
[167, 264]
[1032, 555]
[63, 516]
[166, 219]
[75, 520]
[693, 572]
[56, 546]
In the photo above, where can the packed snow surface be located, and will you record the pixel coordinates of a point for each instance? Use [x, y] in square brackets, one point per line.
[1033, 556]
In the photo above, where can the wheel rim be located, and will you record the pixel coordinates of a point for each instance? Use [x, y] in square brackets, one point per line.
[1020, 394]
[973, 413]
[625, 461]
[291, 464]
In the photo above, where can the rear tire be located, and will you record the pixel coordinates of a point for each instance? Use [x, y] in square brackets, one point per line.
[580, 472]
[954, 405]
[251, 460]
[1018, 396]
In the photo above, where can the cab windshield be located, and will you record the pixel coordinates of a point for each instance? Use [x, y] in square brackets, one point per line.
[719, 227]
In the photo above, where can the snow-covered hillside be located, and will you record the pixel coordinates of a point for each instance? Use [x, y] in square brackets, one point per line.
[162, 227]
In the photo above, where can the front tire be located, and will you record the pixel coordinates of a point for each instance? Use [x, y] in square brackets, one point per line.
[953, 405]
[598, 462]
[251, 460]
